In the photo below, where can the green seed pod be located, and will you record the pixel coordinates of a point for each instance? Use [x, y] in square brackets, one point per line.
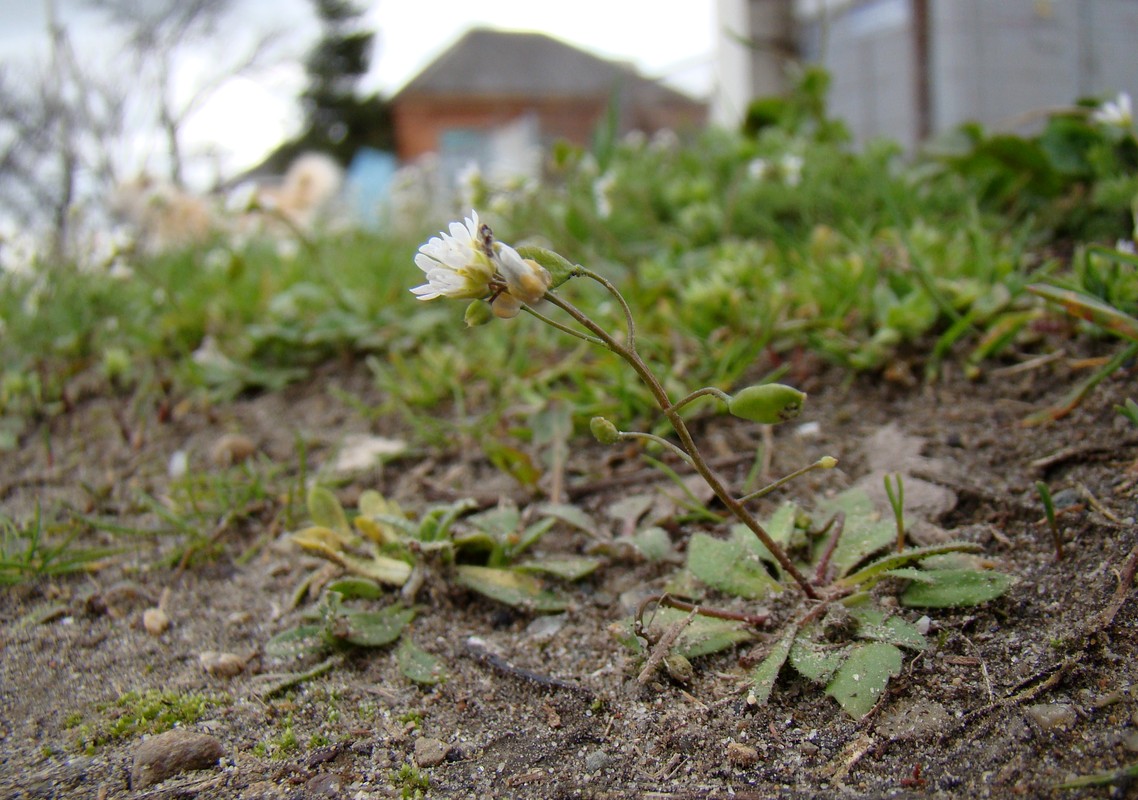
[604, 431]
[477, 313]
[769, 403]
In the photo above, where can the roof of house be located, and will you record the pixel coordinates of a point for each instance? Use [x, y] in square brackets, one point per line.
[523, 64]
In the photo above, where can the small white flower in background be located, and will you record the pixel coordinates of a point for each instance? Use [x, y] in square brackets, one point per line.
[602, 194]
[664, 140]
[1126, 246]
[456, 265]
[471, 185]
[1118, 112]
[758, 169]
[791, 166]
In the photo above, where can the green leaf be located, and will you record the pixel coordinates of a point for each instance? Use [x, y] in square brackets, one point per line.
[391, 571]
[765, 674]
[1089, 308]
[326, 511]
[296, 642]
[950, 588]
[1122, 775]
[876, 571]
[654, 543]
[360, 588]
[570, 568]
[860, 682]
[514, 462]
[510, 587]
[815, 661]
[864, 531]
[730, 566]
[372, 628]
[781, 524]
[570, 515]
[909, 574]
[529, 537]
[417, 664]
[872, 624]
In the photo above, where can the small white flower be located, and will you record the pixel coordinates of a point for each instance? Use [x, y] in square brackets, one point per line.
[455, 264]
[1118, 112]
[791, 166]
[758, 169]
[602, 194]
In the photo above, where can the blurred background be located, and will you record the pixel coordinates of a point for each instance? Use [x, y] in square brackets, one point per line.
[138, 119]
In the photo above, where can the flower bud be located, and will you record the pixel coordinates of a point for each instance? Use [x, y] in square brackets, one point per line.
[827, 462]
[769, 403]
[604, 431]
[477, 313]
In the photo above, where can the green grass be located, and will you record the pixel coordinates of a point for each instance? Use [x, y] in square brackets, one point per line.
[861, 258]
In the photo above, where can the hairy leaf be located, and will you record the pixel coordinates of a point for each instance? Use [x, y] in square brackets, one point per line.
[765, 674]
[950, 588]
[417, 664]
[730, 566]
[372, 628]
[814, 661]
[568, 568]
[860, 682]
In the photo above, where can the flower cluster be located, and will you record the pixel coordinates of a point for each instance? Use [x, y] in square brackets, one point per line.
[468, 263]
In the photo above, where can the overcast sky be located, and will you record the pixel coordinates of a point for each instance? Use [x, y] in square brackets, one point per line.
[669, 39]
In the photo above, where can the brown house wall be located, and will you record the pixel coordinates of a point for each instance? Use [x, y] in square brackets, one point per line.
[420, 120]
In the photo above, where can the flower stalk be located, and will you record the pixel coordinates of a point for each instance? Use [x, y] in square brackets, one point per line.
[456, 264]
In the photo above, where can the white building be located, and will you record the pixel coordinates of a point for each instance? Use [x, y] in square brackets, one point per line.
[906, 69]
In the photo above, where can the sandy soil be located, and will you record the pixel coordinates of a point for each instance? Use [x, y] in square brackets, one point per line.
[1012, 699]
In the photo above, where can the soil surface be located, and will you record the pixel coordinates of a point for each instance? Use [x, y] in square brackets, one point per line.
[1013, 698]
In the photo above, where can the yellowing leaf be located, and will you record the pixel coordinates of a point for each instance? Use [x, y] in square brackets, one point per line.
[509, 587]
[326, 511]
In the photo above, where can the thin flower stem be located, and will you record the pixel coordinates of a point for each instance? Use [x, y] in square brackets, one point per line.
[630, 341]
[563, 327]
[651, 437]
[704, 392]
[629, 354]
[781, 481]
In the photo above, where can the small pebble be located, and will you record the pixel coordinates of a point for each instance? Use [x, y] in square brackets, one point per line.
[323, 785]
[430, 752]
[596, 761]
[230, 449]
[221, 665]
[545, 627]
[1051, 716]
[172, 752]
[741, 755]
[155, 621]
